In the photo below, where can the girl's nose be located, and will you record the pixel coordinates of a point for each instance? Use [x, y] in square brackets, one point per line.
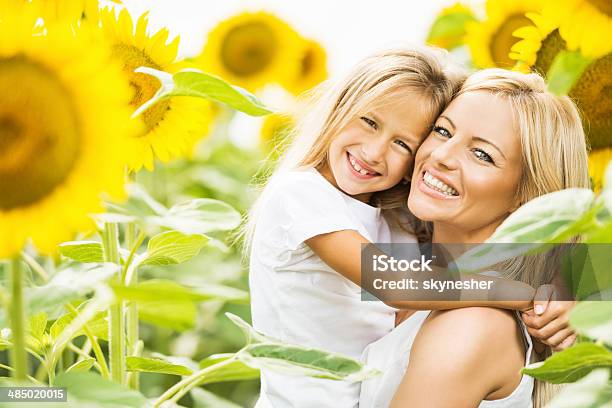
[374, 151]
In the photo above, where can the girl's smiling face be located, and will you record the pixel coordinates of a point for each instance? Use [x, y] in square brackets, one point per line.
[468, 169]
[374, 151]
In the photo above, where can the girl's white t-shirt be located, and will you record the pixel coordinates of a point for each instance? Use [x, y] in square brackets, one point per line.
[299, 299]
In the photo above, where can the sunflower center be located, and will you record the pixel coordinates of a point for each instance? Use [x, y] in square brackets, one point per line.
[249, 49]
[605, 6]
[39, 132]
[307, 63]
[143, 85]
[593, 93]
[551, 45]
[503, 40]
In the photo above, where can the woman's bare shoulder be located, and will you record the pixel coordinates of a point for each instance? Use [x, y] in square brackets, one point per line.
[473, 337]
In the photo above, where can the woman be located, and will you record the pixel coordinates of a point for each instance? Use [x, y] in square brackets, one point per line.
[503, 141]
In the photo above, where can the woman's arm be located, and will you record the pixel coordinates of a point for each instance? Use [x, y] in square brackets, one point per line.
[341, 250]
[460, 357]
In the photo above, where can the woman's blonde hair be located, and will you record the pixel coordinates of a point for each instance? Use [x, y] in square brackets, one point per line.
[425, 71]
[554, 157]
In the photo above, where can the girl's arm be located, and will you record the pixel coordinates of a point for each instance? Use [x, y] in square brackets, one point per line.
[341, 250]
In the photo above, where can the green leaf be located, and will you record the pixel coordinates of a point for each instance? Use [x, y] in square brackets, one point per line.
[89, 388]
[571, 364]
[192, 82]
[262, 351]
[82, 251]
[66, 285]
[565, 70]
[175, 315]
[593, 319]
[137, 207]
[235, 371]
[152, 365]
[156, 289]
[172, 247]
[593, 391]
[448, 30]
[38, 324]
[206, 399]
[547, 219]
[199, 216]
[81, 366]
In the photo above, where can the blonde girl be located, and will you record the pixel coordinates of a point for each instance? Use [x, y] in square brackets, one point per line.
[356, 145]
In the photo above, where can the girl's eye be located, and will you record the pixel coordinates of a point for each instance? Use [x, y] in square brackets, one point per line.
[482, 155]
[404, 145]
[441, 131]
[370, 122]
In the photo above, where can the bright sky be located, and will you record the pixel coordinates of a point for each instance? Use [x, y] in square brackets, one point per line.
[348, 29]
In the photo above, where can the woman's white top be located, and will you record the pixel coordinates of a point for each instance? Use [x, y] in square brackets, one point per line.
[391, 353]
[297, 298]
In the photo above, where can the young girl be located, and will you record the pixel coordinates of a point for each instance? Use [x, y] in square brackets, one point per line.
[356, 149]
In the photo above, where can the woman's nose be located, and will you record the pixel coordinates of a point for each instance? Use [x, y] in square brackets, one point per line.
[446, 154]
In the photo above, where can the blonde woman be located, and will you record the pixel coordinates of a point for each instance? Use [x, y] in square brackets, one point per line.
[501, 142]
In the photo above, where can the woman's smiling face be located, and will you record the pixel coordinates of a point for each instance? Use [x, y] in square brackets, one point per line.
[468, 169]
[375, 150]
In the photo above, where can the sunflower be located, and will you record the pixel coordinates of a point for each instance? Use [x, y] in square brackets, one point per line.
[275, 134]
[546, 37]
[490, 40]
[171, 127]
[312, 69]
[252, 50]
[598, 162]
[64, 125]
[448, 29]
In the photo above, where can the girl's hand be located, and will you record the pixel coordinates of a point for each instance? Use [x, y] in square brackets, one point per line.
[548, 322]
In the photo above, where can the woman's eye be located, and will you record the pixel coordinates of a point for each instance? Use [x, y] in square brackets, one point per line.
[482, 155]
[441, 131]
[404, 145]
[370, 122]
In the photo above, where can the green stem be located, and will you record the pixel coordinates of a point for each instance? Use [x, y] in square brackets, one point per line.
[17, 313]
[95, 347]
[133, 242]
[34, 380]
[116, 324]
[182, 387]
[35, 266]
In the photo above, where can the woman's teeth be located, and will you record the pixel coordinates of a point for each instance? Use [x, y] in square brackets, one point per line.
[358, 168]
[439, 185]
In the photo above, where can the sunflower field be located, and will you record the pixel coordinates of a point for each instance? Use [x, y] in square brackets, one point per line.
[122, 279]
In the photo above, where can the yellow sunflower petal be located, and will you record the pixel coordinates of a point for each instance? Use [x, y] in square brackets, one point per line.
[491, 40]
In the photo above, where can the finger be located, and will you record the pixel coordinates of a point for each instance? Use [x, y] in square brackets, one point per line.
[541, 298]
[558, 337]
[550, 329]
[566, 343]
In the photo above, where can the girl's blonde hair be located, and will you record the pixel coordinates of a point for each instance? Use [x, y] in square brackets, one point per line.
[425, 71]
[554, 157]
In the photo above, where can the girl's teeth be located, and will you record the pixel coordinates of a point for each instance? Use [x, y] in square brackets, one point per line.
[358, 168]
